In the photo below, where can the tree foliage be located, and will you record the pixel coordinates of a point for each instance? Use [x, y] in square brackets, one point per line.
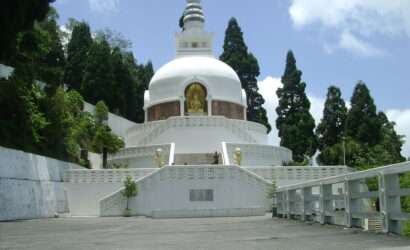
[15, 17]
[235, 54]
[295, 123]
[363, 124]
[77, 55]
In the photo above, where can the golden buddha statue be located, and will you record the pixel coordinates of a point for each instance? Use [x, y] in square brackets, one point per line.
[195, 98]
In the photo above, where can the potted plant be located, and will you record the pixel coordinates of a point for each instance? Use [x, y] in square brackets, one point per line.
[130, 190]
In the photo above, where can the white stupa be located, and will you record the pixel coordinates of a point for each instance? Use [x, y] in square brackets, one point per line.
[194, 107]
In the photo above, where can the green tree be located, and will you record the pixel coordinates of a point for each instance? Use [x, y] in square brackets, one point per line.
[101, 112]
[15, 17]
[125, 101]
[295, 123]
[144, 75]
[77, 55]
[99, 80]
[21, 121]
[363, 124]
[49, 62]
[130, 190]
[331, 128]
[235, 53]
[104, 141]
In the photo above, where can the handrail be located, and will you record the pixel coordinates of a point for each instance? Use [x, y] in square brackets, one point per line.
[352, 199]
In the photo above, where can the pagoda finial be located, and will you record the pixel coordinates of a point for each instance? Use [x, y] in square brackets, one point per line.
[193, 15]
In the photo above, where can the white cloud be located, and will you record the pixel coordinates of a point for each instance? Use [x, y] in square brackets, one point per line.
[363, 18]
[350, 42]
[269, 85]
[104, 6]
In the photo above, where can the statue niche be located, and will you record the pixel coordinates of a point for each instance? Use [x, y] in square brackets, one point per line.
[195, 96]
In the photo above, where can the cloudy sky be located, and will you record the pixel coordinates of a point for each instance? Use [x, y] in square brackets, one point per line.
[335, 42]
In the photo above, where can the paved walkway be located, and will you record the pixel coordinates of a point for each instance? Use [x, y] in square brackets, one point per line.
[210, 233]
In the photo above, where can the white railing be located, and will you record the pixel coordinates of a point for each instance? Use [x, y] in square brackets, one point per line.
[299, 201]
[147, 132]
[105, 175]
[299, 173]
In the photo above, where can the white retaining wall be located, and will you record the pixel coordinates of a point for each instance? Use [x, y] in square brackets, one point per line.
[166, 193]
[31, 186]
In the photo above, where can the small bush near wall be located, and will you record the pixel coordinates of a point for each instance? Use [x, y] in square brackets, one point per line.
[406, 228]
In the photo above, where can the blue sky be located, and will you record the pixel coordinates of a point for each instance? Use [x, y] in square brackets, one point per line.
[335, 41]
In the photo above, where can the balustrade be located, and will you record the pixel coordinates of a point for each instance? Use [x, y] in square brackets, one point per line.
[345, 199]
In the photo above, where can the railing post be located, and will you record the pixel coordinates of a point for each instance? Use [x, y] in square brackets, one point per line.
[306, 207]
[347, 200]
[389, 204]
[324, 191]
[287, 202]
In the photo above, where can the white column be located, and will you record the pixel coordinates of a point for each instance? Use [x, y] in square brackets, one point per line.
[209, 105]
[146, 115]
[182, 105]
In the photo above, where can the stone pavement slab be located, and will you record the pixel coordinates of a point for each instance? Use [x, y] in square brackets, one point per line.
[206, 233]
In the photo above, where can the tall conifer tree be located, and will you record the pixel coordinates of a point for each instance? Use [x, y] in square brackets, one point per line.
[295, 123]
[362, 121]
[246, 66]
[144, 75]
[99, 80]
[77, 55]
[331, 128]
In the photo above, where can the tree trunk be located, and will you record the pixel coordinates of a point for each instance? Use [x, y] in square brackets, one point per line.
[104, 157]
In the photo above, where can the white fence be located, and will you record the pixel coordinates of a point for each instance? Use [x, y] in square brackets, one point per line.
[105, 175]
[286, 175]
[299, 200]
[143, 134]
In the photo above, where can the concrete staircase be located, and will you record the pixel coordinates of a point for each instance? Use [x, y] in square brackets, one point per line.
[195, 159]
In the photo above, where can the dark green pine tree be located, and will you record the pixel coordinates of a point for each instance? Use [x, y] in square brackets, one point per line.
[125, 100]
[99, 80]
[144, 75]
[391, 141]
[77, 53]
[295, 123]
[50, 65]
[331, 128]
[236, 55]
[17, 16]
[362, 121]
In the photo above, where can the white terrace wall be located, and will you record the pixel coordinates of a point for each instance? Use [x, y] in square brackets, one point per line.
[257, 154]
[166, 193]
[85, 188]
[142, 157]
[31, 186]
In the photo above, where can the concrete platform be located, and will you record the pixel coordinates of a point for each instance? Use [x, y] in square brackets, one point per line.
[201, 233]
